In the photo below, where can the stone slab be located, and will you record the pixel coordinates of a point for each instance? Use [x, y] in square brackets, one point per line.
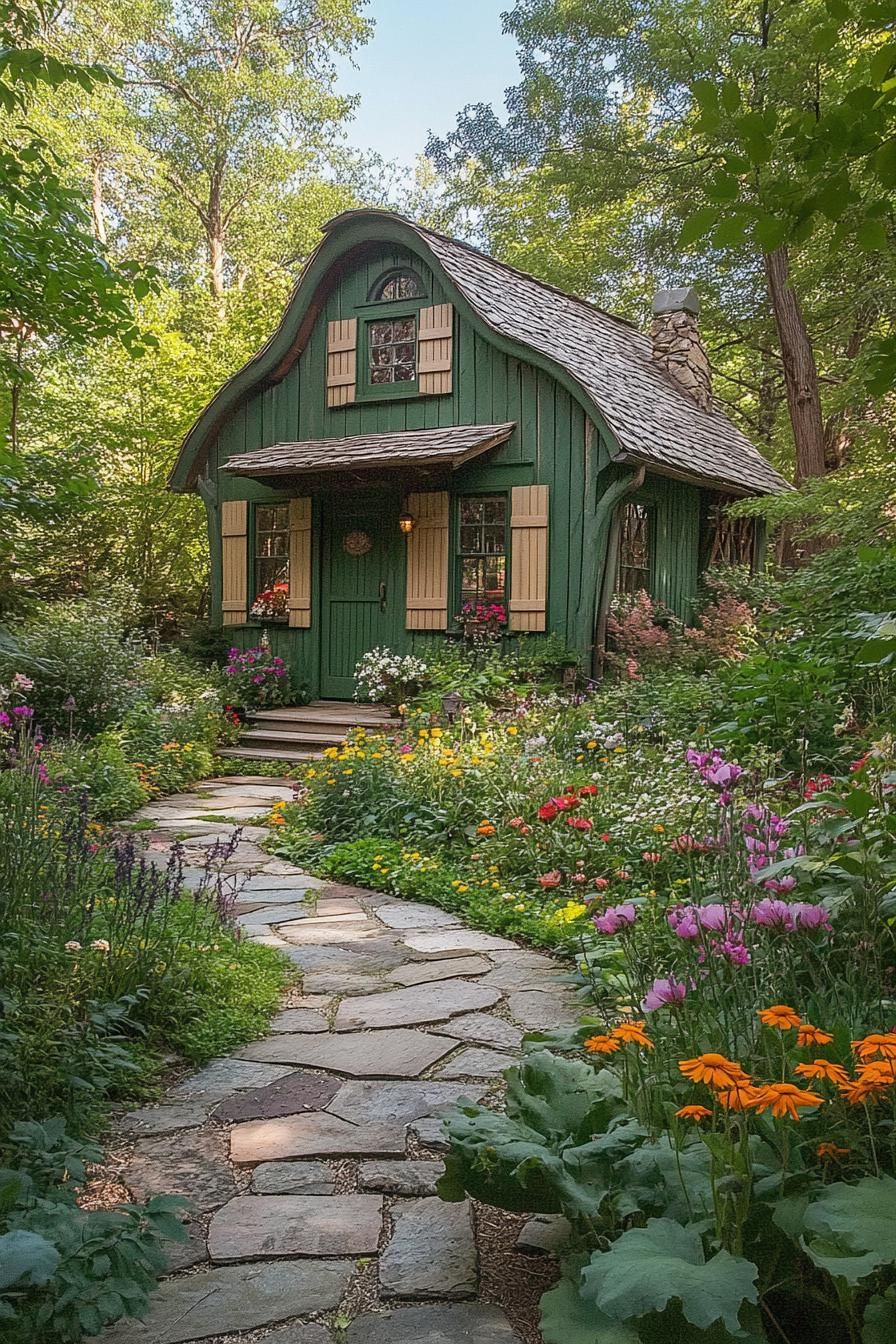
[432, 1252]
[345, 982]
[326, 933]
[151, 1120]
[221, 1077]
[239, 1297]
[291, 1095]
[520, 975]
[297, 1333]
[408, 915]
[415, 1006]
[253, 1227]
[187, 1254]
[401, 1178]
[482, 1029]
[293, 1178]
[382, 1103]
[401, 1053]
[372, 956]
[444, 1323]
[336, 905]
[425, 972]
[279, 914]
[191, 1163]
[315, 1134]
[544, 1234]
[537, 1011]
[438, 942]
[299, 1019]
[477, 1062]
[429, 1131]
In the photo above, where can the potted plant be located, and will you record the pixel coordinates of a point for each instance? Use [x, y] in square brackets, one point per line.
[482, 619]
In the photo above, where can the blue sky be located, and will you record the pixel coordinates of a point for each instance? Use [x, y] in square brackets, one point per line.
[426, 59]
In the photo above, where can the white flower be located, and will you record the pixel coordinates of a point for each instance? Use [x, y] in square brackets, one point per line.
[100, 945]
[73, 946]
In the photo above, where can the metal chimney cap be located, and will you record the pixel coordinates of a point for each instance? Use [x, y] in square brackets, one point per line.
[676, 301]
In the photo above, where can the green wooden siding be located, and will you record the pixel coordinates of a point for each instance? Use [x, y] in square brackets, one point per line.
[555, 443]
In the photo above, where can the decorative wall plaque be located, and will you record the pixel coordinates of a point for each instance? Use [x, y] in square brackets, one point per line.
[357, 543]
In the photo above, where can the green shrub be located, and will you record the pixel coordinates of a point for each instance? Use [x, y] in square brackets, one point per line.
[90, 656]
[66, 1272]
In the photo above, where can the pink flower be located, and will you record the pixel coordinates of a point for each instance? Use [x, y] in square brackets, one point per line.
[663, 993]
[772, 914]
[551, 879]
[23, 711]
[615, 918]
[601, 883]
[808, 916]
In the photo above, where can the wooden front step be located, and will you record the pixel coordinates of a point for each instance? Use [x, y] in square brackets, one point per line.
[301, 732]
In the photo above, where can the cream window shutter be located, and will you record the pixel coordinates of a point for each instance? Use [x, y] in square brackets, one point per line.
[435, 348]
[342, 351]
[234, 561]
[300, 561]
[427, 581]
[528, 557]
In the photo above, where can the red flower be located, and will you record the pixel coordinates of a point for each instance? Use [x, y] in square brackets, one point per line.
[570, 788]
[860, 763]
[601, 883]
[551, 879]
[606, 836]
[588, 791]
[547, 812]
[579, 823]
[651, 856]
[516, 822]
[564, 802]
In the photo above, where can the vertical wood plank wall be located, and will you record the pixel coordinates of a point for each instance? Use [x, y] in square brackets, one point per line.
[426, 605]
[234, 561]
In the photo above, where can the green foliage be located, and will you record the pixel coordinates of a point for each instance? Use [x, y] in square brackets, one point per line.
[649, 1267]
[67, 1272]
[849, 1229]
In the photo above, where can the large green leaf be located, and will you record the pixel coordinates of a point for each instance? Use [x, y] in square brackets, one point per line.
[28, 1257]
[850, 1230]
[663, 1179]
[879, 1322]
[563, 1097]
[566, 1318]
[650, 1267]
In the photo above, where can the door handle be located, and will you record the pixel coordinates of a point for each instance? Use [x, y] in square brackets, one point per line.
[382, 595]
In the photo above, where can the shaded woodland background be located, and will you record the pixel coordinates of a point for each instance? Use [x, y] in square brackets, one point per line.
[165, 167]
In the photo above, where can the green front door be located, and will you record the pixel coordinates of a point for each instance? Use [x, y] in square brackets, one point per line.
[362, 586]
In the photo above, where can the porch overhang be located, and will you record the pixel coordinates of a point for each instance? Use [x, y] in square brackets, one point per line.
[447, 448]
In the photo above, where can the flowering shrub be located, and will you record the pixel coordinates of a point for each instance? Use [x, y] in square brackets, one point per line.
[634, 629]
[488, 616]
[389, 678]
[256, 677]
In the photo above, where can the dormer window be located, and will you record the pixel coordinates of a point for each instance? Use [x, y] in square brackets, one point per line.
[397, 285]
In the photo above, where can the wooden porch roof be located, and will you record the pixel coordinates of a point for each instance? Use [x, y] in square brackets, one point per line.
[449, 447]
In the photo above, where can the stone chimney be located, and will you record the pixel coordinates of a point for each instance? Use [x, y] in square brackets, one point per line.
[677, 347]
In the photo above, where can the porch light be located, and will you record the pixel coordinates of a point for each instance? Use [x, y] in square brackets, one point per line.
[406, 523]
[451, 706]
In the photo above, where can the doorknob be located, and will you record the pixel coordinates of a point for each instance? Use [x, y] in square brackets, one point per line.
[382, 595]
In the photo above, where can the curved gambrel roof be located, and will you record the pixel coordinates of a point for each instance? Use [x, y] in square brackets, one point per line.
[605, 359]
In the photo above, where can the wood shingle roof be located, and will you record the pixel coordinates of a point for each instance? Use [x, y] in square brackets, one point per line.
[448, 447]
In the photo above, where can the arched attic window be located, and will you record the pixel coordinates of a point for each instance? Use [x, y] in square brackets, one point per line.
[400, 284]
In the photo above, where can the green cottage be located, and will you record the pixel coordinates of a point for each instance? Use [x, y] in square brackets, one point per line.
[429, 431]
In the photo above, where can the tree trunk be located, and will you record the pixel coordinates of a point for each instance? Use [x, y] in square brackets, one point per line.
[800, 373]
[96, 200]
[214, 229]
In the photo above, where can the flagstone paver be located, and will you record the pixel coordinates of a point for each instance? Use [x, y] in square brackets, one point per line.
[254, 1227]
[316, 1148]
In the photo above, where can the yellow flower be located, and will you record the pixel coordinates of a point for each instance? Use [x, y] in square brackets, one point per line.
[512, 731]
[590, 746]
[435, 732]
[457, 773]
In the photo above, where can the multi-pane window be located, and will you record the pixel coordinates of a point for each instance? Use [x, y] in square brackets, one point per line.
[392, 350]
[271, 601]
[483, 548]
[633, 571]
[398, 285]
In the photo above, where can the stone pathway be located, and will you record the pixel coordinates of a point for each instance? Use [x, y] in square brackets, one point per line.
[310, 1157]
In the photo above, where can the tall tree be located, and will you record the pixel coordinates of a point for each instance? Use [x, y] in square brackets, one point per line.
[625, 120]
[233, 104]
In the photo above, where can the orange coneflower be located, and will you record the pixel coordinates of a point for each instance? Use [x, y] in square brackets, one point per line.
[715, 1070]
[873, 1079]
[809, 1035]
[786, 1099]
[823, 1068]
[779, 1016]
[633, 1032]
[693, 1113]
[881, 1043]
[831, 1151]
[602, 1045]
[740, 1096]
